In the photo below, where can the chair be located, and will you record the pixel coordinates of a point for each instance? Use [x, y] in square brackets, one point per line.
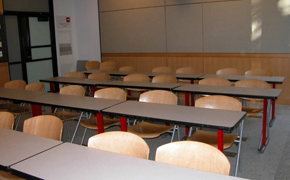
[164, 78]
[185, 70]
[252, 83]
[135, 78]
[75, 74]
[107, 93]
[45, 126]
[18, 111]
[149, 130]
[6, 120]
[258, 72]
[128, 69]
[223, 103]
[162, 69]
[73, 90]
[230, 71]
[101, 76]
[108, 66]
[194, 155]
[92, 65]
[120, 142]
[215, 81]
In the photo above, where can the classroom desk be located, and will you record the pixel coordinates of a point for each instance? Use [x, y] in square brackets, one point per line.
[95, 105]
[74, 162]
[259, 93]
[191, 116]
[17, 146]
[269, 79]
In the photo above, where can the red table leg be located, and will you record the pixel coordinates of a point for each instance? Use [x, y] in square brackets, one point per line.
[273, 109]
[100, 122]
[123, 122]
[264, 131]
[51, 86]
[186, 99]
[192, 95]
[36, 110]
[221, 140]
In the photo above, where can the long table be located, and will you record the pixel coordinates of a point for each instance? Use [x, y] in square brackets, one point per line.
[89, 104]
[17, 146]
[74, 162]
[176, 114]
[260, 93]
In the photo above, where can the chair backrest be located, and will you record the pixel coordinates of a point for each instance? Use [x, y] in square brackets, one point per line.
[159, 96]
[185, 70]
[162, 69]
[252, 83]
[230, 71]
[215, 81]
[102, 76]
[92, 65]
[258, 72]
[219, 102]
[120, 142]
[111, 93]
[128, 69]
[47, 126]
[194, 155]
[164, 78]
[15, 84]
[6, 120]
[137, 78]
[75, 90]
[108, 66]
[75, 74]
[37, 86]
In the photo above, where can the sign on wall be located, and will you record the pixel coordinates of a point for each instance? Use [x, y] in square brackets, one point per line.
[63, 22]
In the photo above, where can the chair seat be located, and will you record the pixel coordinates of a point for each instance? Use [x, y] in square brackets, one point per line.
[149, 130]
[17, 110]
[64, 115]
[252, 112]
[92, 123]
[212, 139]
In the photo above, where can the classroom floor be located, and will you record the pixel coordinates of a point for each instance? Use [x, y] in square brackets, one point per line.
[273, 164]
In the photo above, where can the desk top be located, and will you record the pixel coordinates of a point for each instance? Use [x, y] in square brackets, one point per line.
[18, 94]
[74, 162]
[150, 74]
[233, 78]
[76, 81]
[192, 116]
[17, 146]
[230, 91]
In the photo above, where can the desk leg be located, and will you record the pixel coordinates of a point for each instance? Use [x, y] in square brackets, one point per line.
[186, 99]
[273, 109]
[264, 138]
[192, 95]
[100, 122]
[123, 122]
[51, 87]
[221, 140]
[36, 110]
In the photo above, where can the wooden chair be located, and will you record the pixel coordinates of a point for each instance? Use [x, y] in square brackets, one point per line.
[135, 78]
[162, 69]
[75, 74]
[258, 72]
[73, 90]
[194, 155]
[164, 78]
[101, 76]
[251, 83]
[149, 130]
[215, 81]
[45, 126]
[120, 142]
[128, 69]
[186, 70]
[92, 65]
[108, 66]
[107, 93]
[18, 111]
[223, 103]
[6, 120]
[230, 71]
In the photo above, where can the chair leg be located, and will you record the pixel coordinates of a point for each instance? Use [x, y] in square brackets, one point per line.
[79, 120]
[173, 133]
[85, 131]
[17, 121]
[67, 129]
[239, 148]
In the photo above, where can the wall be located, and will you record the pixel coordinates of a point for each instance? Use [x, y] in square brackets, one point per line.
[83, 34]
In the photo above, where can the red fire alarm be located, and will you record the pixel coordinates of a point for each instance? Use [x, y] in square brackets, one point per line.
[67, 19]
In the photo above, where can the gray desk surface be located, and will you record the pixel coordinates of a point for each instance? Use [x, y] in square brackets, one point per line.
[230, 91]
[150, 74]
[192, 116]
[268, 79]
[74, 162]
[17, 146]
[76, 81]
[18, 94]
